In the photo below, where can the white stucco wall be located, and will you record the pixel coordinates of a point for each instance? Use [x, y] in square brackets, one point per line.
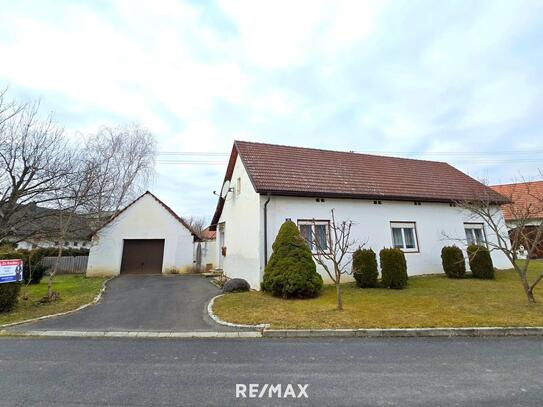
[241, 214]
[145, 219]
[435, 222]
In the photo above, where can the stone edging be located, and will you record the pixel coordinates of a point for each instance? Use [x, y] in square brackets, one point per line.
[219, 321]
[94, 301]
[135, 334]
[404, 332]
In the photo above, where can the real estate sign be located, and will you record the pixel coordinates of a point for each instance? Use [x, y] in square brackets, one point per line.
[11, 271]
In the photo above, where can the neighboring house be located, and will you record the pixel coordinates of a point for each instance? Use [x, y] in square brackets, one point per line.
[146, 237]
[405, 203]
[527, 204]
[39, 228]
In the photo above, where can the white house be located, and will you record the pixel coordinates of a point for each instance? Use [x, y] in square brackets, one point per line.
[146, 237]
[394, 202]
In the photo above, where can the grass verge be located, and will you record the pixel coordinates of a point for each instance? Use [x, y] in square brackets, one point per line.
[74, 291]
[428, 301]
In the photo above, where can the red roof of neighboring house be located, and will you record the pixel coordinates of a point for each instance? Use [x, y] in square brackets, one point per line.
[208, 234]
[170, 210]
[296, 171]
[526, 196]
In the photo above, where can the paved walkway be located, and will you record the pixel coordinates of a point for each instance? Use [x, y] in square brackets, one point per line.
[142, 303]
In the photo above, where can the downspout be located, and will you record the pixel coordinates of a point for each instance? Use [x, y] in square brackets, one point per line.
[266, 230]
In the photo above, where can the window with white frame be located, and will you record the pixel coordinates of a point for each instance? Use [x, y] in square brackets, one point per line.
[404, 236]
[316, 234]
[475, 234]
[238, 186]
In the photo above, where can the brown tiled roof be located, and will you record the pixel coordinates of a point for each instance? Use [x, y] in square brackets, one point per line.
[526, 196]
[170, 210]
[297, 171]
[208, 234]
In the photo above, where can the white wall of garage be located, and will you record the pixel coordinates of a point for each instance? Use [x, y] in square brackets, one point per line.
[146, 218]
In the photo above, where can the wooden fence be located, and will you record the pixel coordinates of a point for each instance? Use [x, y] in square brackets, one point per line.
[67, 264]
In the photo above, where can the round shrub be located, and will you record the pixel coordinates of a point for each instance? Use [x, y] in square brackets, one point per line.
[480, 262]
[291, 271]
[236, 285]
[365, 268]
[393, 268]
[9, 293]
[453, 262]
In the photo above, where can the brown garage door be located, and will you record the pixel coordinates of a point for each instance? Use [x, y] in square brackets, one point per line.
[142, 256]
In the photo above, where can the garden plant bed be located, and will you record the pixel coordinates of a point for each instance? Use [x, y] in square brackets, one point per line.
[74, 291]
[428, 301]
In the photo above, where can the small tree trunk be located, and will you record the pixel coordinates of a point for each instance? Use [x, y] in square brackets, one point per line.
[526, 286]
[339, 301]
[52, 275]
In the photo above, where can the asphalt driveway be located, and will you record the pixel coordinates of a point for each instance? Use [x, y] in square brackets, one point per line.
[143, 303]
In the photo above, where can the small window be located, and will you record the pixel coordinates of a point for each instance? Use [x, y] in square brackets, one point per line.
[238, 186]
[475, 234]
[66, 243]
[57, 243]
[84, 244]
[316, 234]
[404, 236]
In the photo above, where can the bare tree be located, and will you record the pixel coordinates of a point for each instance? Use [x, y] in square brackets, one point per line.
[197, 223]
[336, 249]
[33, 166]
[527, 230]
[124, 158]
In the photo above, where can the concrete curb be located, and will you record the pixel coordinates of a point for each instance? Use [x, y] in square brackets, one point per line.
[401, 332]
[230, 324]
[133, 334]
[94, 301]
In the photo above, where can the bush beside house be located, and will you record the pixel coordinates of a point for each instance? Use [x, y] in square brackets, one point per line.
[291, 271]
[393, 268]
[365, 268]
[454, 264]
[9, 293]
[480, 262]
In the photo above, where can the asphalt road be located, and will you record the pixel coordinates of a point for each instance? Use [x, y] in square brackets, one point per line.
[142, 303]
[348, 372]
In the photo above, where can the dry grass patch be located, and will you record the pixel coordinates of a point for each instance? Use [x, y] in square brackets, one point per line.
[428, 301]
[74, 291]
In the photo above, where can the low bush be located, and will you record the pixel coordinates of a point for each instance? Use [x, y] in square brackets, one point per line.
[365, 268]
[393, 268]
[9, 293]
[480, 262]
[454, 264]
[291, 271]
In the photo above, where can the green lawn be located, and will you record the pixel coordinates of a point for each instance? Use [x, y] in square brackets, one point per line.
[74, 291]
[428, 301]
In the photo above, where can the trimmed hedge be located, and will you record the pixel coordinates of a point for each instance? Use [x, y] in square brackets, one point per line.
[9, 294]
[480, 262]
[454, 264]
[393, 268]
[365, 268]
[291, 271]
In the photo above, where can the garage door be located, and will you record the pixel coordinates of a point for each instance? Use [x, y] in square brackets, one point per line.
[142, 256]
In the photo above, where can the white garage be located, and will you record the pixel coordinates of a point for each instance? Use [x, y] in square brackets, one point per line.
[146, 237]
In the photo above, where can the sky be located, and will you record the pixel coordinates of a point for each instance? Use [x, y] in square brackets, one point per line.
[450, 81]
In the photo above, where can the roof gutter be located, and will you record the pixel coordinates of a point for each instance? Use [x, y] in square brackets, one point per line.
[266, 230]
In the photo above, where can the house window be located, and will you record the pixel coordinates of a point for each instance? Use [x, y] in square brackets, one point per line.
[66, 243]
[316, 234]
[475, 233]
[238, 186]
[76, 243]
[84, 244]
[404, 236]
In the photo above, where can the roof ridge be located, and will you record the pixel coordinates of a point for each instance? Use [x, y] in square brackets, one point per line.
[337, 151]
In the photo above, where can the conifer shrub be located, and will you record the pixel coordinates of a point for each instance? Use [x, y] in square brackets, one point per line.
[454, 264]
[365, 268]
[291, 271]
[393, 268]
[480, 262]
